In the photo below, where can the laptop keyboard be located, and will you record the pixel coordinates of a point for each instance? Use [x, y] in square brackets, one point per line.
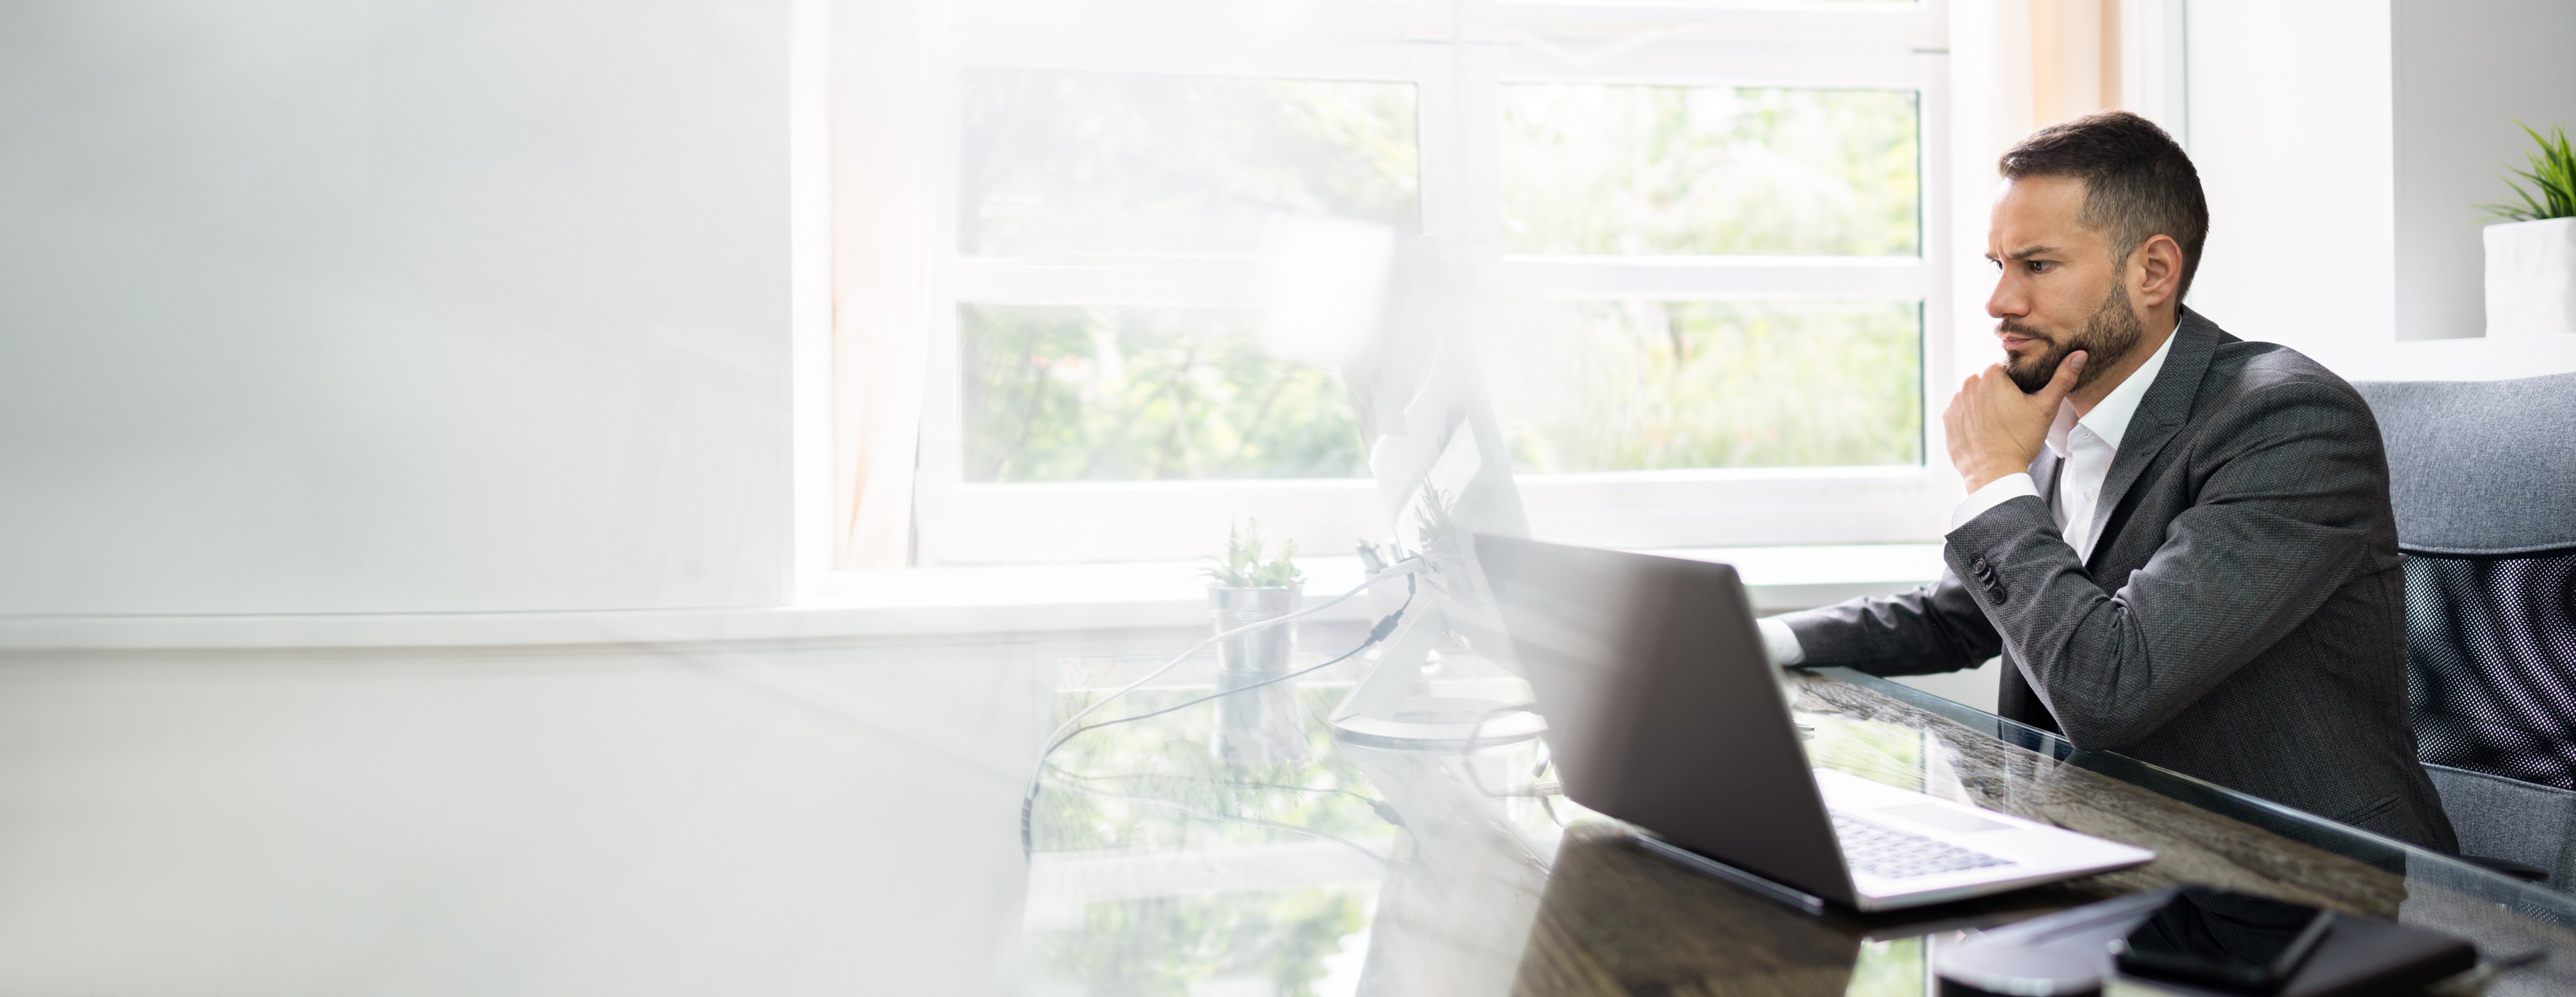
[1893, 854]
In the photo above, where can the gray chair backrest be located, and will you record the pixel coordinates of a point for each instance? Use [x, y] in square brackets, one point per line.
[2482, 475]
[2480, 467]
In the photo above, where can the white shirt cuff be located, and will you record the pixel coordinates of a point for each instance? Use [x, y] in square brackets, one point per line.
[1996, 492]
[1780, 642]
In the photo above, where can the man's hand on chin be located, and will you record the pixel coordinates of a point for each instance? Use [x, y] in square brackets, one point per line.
[1995, 429]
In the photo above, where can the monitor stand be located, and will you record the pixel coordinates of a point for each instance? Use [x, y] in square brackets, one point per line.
[1382, 712]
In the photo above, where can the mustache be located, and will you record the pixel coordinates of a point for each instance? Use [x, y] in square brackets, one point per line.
[2018, 329]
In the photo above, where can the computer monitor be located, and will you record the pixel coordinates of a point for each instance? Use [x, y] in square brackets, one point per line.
[1444, 475]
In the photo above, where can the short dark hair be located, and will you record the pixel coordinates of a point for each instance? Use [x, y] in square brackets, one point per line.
[2137, 181]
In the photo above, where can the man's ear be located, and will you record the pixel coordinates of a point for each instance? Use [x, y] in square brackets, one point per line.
[2157, 267]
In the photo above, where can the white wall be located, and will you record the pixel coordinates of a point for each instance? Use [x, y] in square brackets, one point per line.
[2340, 144]
[511, 823]
[2466, 70]
[2290, 128]
[320, 306]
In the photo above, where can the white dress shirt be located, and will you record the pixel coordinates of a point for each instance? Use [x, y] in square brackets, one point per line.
[2084, 447]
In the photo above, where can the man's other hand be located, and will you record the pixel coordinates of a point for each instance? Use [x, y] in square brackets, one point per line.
[1995, 429]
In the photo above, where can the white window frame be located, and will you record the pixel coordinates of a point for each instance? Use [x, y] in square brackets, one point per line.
[1456, 53]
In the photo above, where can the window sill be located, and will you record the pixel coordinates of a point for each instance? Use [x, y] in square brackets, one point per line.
[922, 602]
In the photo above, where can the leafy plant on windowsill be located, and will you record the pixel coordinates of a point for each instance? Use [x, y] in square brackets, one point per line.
[2553, 171]
[1433, 526]
[1243, 566]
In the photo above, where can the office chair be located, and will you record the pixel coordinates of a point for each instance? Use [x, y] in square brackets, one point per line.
[2483, 477]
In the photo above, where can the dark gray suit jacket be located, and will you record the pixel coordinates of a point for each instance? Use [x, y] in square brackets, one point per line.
[2242, 618]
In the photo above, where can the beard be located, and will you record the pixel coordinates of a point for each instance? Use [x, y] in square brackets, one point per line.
[2108, 335]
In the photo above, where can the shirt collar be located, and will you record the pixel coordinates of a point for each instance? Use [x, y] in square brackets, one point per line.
[2109, 420]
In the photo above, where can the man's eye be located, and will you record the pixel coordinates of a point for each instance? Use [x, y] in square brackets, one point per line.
[2038, 266]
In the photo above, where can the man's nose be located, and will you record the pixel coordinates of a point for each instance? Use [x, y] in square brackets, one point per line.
[2007, 301]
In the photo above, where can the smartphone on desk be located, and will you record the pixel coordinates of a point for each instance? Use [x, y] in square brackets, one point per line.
[2224, 939]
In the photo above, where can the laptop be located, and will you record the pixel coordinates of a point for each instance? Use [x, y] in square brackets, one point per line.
[1664, 711]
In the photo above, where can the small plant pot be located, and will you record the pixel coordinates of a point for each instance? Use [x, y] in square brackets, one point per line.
[2531, 278]
[1256, 727]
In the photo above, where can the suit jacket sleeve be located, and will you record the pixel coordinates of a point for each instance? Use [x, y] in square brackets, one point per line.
[2286, 480]
[1936, 628]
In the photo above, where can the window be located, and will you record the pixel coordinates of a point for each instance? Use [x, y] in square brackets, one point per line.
[1702, 262]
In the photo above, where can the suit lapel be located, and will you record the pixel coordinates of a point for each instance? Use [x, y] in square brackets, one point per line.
[2160, 415]
[2044, 470]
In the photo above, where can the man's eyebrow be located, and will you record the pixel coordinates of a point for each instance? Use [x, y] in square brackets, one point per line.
[2027, 252]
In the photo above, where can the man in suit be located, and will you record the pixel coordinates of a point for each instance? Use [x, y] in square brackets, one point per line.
[2180, 542]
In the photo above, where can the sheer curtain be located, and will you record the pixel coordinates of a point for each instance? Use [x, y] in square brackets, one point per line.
[2087, 55]
[2019, 65]
[883, 148]
[2074, 58]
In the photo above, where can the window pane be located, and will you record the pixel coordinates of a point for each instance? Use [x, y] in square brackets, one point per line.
[1631, 170]
[1129, 394]
[1641, 385]
[1088, 163]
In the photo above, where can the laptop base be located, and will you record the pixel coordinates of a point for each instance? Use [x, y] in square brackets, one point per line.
[1782, 892]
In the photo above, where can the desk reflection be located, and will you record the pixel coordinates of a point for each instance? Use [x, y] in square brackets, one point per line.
[1159, 869]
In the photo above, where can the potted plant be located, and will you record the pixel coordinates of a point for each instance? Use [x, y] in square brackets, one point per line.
[2531, 256]
[1245, 586]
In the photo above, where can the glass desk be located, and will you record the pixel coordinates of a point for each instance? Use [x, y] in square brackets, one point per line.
[1338, 868]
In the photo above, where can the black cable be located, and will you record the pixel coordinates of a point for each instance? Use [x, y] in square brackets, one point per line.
[1220, 694]
[1028, 803]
